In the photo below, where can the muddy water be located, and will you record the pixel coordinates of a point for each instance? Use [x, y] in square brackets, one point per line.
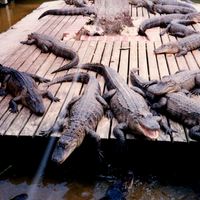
[15, 11]
[148, 189]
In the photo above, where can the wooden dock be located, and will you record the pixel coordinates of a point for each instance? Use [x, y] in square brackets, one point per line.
[119, 52]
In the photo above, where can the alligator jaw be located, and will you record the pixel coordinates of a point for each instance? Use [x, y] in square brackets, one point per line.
[152, 134]
[62, 152]
[168, 48]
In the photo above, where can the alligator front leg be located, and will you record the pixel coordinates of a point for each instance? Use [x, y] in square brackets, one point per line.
[194, 133]
[182, 52]
[166, 30]
[196, 91]
[13, 105]
[49, 95]
[28, 42]
[97, 140]
[102, 101]
[118, 132]
[38, 78]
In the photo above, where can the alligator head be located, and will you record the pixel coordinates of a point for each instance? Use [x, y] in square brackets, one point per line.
[167, 48]
[145, 125]
[163, 87]
[65, 146]
[35, 103]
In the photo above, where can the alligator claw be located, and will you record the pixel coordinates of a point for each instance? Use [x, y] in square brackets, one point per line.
[13, 110]
[56, 99]
[46, 133]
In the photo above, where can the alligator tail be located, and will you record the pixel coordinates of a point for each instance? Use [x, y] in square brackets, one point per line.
[142, 33]
[73, 63]
[82, 77]
[49, 12]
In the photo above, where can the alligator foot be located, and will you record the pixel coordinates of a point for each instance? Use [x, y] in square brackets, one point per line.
[2, 92]
[167, 130]
[46, 133]
[196, 91]
[109, 114]
[50, 96]
[13, 106]
[194, 133]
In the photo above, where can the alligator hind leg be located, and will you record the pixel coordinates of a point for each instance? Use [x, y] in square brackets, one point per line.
[13, 105]
[49, 95]
[194, 133]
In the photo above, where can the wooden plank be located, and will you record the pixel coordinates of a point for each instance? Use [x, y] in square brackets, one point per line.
[173, 67]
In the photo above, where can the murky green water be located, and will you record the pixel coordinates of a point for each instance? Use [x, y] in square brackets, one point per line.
[15, 11]
[148, 189]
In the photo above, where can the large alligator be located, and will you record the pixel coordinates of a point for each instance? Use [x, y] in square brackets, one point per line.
[22, 86]
[173, 2]
[180, 47]
[49, 44]
[143, 3]
[183, 109]
[83, 113]
[129, 107]
[170, 9]
[164, 20]
[85, 11]
[181, 80]
[77, 3]
[177, 29]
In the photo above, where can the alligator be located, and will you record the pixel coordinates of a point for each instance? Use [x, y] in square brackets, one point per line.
[83, 113]
[22, 86]
[164, 20]
[77, 3]
[183, 109]
[177, 29]
[22, 196]
[143, 3]
[85, 11]
[128, 106]
[49, 44]
[170, 9]
[173, 2]
[180, 47]
[120, 188]
[181, 80]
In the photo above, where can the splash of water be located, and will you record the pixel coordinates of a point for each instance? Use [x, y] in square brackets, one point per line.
[41, 169]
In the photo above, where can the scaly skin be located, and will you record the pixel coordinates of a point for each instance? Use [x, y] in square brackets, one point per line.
[183, 80]
[180, 47]
[77, 3]
[83, 113]
[183, 109]
[143, 3]
[48, 44]
[177, 29]
[85, 11]
[170, 9]
[173, 2]
[129, 107]
[23, 88]
[164, 20]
